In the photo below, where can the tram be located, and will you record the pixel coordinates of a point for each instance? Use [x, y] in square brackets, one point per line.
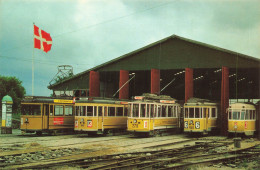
[200, 115]
[242, 118]
[100, 116]
[151, 115]
[47, 115]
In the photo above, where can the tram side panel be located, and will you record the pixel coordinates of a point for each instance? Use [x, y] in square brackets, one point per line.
[100, 117]
[44, 115]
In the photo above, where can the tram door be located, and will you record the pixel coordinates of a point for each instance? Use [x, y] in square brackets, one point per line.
[206, 117]
[99, 116]
[45, 116]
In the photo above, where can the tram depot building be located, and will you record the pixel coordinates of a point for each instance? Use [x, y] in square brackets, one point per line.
[174, 66]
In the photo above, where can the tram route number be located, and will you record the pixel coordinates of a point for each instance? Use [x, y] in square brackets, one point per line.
[76, 124]
[197, 125]
[145, 124]
[186, 124]
[134, 125]
[246, 124]
[89, 123]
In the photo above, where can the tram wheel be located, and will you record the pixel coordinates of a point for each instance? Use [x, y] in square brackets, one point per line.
[39, 133]
[156, 133]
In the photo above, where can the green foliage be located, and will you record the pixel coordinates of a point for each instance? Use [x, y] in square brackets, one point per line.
[13, 87]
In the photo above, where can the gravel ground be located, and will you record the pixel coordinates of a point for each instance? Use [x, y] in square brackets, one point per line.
[51, 147]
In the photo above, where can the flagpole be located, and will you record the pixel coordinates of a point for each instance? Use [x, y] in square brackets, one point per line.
[33, 64]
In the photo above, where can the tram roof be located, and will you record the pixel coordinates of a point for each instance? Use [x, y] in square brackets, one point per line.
[242, 105]
[173, 52]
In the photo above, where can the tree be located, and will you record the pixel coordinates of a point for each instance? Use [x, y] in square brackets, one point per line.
[13, 87]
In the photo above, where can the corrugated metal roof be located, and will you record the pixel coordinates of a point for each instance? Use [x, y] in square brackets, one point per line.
[152, 45]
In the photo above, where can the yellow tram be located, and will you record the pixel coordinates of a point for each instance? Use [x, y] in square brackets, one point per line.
[46, 114]
[200, 115]
[151, 115]
[242, 118]
[100, 116]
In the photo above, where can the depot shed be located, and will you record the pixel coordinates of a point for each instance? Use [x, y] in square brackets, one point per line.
[163, 67]
[175, 66]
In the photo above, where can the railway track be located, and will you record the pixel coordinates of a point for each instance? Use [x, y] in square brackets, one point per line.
[173, 159]
[75, 158]
[156, 153]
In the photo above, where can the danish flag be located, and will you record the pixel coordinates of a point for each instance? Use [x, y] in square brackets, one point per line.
[42, 39]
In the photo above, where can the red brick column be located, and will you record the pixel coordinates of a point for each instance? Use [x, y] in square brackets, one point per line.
[94, 84]
[123, 78]
[224, 100]
[155, 81]
[188, 83]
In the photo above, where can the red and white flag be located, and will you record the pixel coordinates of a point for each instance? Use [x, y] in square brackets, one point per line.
[42, 39]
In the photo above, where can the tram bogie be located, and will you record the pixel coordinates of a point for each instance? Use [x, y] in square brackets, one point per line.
[46, 115]
[100, 116]
[152, 116]
[200, 116]
[242, 118]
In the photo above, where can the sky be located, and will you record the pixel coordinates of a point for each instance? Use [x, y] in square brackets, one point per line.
[87, 33]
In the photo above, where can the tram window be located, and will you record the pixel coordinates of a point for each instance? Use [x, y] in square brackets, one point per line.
[164, 107]
[247, 115]
[170, 111]
[99, 110]
[251, 114]
[197, 112]
[95, 110]
[111, 111]
[68, 110]
[36, 110]
[25, 109]
[90, 110]
[236, 115]
[51, 110]
[159, 111]
[254, 115]
[129, 114]
[191, 113]
[142, 110]
[152, 110]
[105, 111]
[213, 113]
[58, 110]
[77, 111]
[46, 110]
[242, 115]
[174, 111]
[119, 111]
[186, 110]
[135, 110]
[204, 112]
[148, 110]
[83, 110]
[229, 115]
[126, 111]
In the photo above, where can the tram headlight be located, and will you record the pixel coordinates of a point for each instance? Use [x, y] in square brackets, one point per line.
[135, 121]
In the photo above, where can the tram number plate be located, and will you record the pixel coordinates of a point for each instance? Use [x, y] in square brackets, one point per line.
[89, 123]
[134, 125]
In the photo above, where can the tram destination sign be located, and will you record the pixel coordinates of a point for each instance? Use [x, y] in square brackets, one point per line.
[62, 101]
